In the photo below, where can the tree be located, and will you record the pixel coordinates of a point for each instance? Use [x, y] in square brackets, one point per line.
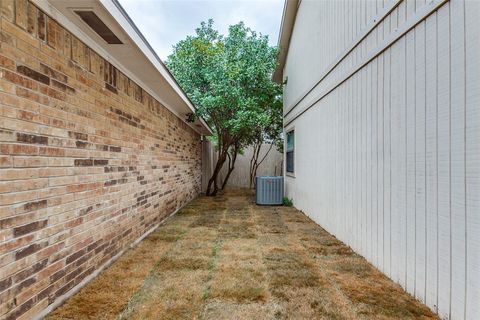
[270, 132]
[228, 78]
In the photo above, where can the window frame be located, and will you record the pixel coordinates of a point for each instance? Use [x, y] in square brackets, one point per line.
[287, 132]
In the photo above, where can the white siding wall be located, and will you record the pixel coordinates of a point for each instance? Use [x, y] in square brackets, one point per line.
[387, 144]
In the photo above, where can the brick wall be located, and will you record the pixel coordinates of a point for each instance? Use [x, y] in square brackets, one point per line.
[88, 161]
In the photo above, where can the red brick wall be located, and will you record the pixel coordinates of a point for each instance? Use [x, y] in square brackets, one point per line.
[88, 160]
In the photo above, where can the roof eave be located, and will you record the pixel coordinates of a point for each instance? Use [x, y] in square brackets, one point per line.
[286, 28]
[168, 74]
[134, 57]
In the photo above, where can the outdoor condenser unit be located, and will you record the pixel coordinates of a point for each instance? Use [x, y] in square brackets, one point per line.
[269, 190]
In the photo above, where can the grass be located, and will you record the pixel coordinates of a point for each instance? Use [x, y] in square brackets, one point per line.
[226, 258]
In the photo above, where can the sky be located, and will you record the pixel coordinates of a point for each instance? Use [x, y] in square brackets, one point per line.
[166, 22]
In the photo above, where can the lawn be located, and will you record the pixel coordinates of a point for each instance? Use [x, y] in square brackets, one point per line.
[226, 258]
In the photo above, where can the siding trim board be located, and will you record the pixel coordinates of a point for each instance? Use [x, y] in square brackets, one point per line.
[376, 21]
[397, 34]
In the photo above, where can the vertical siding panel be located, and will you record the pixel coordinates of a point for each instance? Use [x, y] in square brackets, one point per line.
[363, 147]
[402, 163]
[394, 145]
[354, 164]
[368, 161]
[410, 4]
[374, 163]
[363, 13]
[457, 49]
[398, 161]
[443, 119]
[343, 159]
[401, 13]
[387, 165]
[420, 182]
[358, 142]
[345, 206]
[472, 116]
[350, 163]
[358, 127]
[410, 157]
[431, 153]
[381, 161]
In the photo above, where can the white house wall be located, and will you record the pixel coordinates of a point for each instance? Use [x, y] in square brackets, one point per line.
[387, 145]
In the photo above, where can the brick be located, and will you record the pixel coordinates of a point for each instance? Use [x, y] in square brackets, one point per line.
[75, 256]
[6, 62]
[27, 94]
[17, 174]
[11, 198]
[63, 87]
[35, 309]
[53, 152]
[41, 25]
[19, 80]
[17, 312]
[45, 292]
[17, 242]
[24, 149]
[100, 162]
[5, 283]
[30, 271]
[28, 162]
[54, 74]
[111, 88]
[35, 75]
[7, 10]
[31, 249]
[83, 162]
[51, 92]
[31, 138]
[5, 161]
[80, 53]
[28, 228]
[52, 29]
[35, 205]
[78, 135]
[32, 19]
[21, 13]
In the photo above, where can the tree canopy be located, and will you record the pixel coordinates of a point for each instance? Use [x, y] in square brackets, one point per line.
[228, 78]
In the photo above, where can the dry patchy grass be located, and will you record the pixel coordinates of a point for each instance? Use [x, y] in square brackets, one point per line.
[226, 258]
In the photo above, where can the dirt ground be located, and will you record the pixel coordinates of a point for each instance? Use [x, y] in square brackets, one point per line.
[226, 258]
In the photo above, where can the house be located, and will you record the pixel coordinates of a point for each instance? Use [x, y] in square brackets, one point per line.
[382, 125]
[96, 147]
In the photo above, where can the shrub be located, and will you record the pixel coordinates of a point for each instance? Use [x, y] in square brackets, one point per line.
[287, 202]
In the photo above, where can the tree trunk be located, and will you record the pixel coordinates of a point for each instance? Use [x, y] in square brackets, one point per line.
[231, 166]
[222, 157]
[254, 163]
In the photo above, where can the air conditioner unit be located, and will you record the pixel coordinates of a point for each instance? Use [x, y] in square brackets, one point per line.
[269, 190]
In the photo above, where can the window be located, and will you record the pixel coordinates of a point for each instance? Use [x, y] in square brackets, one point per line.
[290, 150]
